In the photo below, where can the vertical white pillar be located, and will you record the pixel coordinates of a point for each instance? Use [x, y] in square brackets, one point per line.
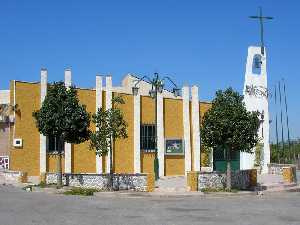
[98, 106]
[43, 139]
[196, 128]
[136, 133]
[68, 146]
[108, 105]
[160, 134]
[186, 128]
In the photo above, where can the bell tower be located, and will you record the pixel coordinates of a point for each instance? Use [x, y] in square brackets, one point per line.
[256, 99]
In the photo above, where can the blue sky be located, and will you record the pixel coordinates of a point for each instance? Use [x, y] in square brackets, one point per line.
[196, 42]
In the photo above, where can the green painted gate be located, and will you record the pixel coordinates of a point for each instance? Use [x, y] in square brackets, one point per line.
[220, 160]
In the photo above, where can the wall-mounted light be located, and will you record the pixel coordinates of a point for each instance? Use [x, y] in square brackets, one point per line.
[135, 90]
[152, 93]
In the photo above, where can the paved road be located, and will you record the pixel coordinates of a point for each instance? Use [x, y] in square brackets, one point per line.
[21, 208]
[298, 176]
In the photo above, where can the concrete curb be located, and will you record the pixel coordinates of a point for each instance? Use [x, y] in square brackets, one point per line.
[132, 194]
[172, 194]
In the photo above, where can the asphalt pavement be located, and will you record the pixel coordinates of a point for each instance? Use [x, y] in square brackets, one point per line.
[18, 207]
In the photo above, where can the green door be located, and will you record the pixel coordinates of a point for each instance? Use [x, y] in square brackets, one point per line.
[220, 160]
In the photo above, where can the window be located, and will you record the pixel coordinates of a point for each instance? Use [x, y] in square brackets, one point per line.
[148, 137]
[55, 144]
[256, 65]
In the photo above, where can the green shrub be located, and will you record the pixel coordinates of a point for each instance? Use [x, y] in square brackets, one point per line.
[258, 154]
[206, 190]
[42, 184]
[81, 191]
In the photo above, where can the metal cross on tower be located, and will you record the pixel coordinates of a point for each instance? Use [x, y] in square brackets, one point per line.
[261, 19]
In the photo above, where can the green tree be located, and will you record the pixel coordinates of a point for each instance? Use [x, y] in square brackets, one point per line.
[229, 126]
[63, 117]
[110, 125]
[288, 154]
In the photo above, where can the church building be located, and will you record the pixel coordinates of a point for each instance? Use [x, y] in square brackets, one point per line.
[178, 119]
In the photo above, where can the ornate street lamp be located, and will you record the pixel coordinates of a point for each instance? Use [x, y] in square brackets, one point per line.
[157, 87]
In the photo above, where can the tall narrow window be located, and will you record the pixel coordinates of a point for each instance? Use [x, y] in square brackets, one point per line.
[148, 137]
[55, 144]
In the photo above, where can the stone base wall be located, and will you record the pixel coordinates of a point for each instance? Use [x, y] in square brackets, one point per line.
[274, 168]
[135, 182]
[289, 174]
[212, 180]
[240, 179]
[7, 176]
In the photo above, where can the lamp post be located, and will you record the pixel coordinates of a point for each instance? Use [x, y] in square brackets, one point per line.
[157, 88]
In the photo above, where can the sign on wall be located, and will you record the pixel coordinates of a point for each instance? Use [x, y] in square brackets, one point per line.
[174, 147]
[4, 162]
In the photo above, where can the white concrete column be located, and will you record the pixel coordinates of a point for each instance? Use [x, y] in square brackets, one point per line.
[108, 105]
[160, 135]
[43, 139]
[98, 106]
[186, 128]
[266, 154]
[196, 128]
[136, 132]
[68, 146]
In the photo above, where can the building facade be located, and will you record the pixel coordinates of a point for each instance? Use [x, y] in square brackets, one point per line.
[178, 129]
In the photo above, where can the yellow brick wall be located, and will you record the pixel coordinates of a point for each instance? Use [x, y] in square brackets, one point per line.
[123, 148]
[83, 159]
[191, 137]
[52, 163]
[173, 128]
[26, 159]
[203, 108]
[104, 106]
[147, 160]
[147, 117]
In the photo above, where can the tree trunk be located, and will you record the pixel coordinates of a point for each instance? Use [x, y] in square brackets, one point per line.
[59, 170]
[228, 171]
[111, 166]
[228, 176]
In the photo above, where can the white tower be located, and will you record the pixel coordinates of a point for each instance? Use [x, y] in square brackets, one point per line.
[256, 99]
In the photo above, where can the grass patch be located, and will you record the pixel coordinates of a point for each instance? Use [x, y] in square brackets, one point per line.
[30, 187]
[206, 190]
[81, 191]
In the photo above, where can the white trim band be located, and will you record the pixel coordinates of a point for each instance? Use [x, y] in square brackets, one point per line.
[99, 166]
[136, 132]
[160, 135]
[108, 105]
[43, 139]
[68, 146]
[196, 128]
[186, 129]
